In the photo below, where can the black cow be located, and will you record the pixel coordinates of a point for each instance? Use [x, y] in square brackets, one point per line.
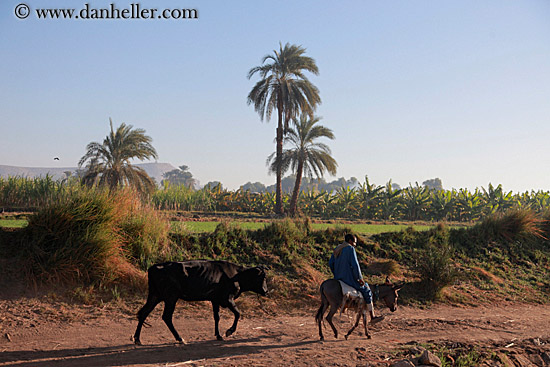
[219, 282]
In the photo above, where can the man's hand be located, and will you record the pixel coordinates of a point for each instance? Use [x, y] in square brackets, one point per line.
[361, 282]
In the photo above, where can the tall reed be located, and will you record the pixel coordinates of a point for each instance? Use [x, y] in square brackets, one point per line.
[93, 236]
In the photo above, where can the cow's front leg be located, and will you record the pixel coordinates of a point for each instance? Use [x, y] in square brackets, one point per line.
[233, 307]
[216, 310]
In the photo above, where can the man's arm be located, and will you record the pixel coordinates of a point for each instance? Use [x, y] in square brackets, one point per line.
[355, 268]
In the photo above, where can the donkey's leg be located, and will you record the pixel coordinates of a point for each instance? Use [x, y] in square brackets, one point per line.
[331, 313]
[365, 322]
[319, 318]
[355, 325]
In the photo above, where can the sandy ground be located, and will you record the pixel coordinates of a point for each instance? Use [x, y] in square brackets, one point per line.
[38, 333]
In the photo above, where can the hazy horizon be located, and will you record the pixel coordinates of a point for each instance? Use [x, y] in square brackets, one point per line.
[456, 90]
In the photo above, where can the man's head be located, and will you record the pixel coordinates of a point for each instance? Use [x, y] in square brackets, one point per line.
[351, 239]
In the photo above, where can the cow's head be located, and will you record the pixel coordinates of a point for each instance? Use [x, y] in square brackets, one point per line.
[253, 279]
[261, 285]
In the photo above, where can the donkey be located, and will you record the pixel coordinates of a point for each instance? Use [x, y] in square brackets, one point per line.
[333, 296]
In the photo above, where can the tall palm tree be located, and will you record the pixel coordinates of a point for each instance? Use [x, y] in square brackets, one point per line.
[305, 155]
[284, 87]
[108, 163]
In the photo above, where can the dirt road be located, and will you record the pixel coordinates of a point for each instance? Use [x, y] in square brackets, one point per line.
[35, 334]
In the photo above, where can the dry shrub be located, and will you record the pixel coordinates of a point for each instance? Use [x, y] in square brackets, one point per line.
[513, 225]
[385, 267]
[144, 231]
[486, 275]
[92, 237]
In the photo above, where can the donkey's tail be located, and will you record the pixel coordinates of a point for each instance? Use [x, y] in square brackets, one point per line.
[321, 310]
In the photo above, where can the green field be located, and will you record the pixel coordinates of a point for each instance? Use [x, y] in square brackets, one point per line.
[13, 223]
[203, 227]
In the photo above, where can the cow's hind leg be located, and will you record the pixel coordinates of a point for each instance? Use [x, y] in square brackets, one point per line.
[152, 302]
[169, 307]
[233, 308]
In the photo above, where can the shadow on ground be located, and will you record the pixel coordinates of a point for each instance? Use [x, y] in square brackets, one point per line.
[129, 354]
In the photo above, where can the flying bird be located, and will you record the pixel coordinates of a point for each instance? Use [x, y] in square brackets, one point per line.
[55, 158]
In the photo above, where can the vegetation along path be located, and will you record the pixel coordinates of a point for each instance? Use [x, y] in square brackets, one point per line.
[39, 333]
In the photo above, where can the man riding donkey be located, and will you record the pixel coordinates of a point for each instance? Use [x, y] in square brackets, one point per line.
[345, 267]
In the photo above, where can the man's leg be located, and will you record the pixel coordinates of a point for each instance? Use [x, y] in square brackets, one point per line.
[367, 295]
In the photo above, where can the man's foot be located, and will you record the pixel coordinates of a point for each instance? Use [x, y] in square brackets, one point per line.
[377, 319]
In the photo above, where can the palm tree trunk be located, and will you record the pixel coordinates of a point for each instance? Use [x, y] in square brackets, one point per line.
[296, 192]
[279, 186]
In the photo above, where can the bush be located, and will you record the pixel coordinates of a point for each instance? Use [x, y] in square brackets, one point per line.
[512, 226]
[145, 236]
[89, 237]
[434, 263]
[229, 242]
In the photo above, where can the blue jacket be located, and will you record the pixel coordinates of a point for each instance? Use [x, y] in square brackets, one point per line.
[345, 267]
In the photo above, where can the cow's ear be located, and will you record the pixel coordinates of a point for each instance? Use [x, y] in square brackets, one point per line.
[262, 269]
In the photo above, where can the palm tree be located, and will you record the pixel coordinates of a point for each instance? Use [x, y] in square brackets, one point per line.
[305, 154]
[108, 163]
[284, 87]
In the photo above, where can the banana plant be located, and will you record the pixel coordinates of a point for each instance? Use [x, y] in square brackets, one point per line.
[390, 202]
[470, 205]
[415, 200]
[496, 200]
[345, 202]
[369, 197]
[443, 205]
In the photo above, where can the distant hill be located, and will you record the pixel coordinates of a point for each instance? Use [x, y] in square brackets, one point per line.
[155, 170]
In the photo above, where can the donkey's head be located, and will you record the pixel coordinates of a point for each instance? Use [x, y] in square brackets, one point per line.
[388, 294]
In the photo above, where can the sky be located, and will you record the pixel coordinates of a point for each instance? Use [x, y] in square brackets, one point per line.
[413, 90]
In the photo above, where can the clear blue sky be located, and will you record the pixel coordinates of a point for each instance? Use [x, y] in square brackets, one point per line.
[413, 90]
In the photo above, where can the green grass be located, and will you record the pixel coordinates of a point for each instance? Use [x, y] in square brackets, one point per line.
[361, 229]
[205, 227]
[13, 223]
